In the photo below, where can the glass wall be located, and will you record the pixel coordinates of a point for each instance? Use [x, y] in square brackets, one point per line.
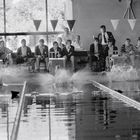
[20, 16]
[21, 13]
[1, 17]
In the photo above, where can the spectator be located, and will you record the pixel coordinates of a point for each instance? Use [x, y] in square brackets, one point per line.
[109, 59]
[77, 43]
[95, 55]
[105, 36]
[69, 53]
[5, 53]
[55, 51]
[127, 51]
[23, 53]
[67, 35]
[137, 48]
[61, 46]
[41, 53]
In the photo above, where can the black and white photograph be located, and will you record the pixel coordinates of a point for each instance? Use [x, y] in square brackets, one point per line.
[69, 69]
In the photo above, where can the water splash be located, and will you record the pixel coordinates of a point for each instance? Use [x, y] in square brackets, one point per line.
[64, 81]
[123, 73]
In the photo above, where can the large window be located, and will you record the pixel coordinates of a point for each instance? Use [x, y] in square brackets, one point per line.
[1, 17]
[20, 16]
[60, 10]
[21, 13]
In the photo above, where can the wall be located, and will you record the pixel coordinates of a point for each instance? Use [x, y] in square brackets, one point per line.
[90, 14]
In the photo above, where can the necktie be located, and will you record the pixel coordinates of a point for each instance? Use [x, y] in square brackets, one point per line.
[104, 38]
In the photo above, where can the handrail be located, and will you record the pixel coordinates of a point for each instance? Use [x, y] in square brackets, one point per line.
[15, 129]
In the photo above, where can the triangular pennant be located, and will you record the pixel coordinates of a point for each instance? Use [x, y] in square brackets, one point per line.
[54, 24]
[71, 24]
[132, 23]
[37, 24]
[115, 23]
[15, 94]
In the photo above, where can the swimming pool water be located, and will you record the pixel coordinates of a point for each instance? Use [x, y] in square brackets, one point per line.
[80, 116]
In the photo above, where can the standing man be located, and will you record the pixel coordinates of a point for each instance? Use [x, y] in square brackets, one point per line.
[104, 37]
[41, 53]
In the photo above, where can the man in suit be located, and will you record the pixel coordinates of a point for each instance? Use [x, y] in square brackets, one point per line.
[61, 45]
[23, 53]
[55, 51]
[96, 55]
[104, 36]
[41, 54]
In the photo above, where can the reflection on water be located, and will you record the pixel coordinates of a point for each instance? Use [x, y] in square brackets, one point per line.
[80, 116]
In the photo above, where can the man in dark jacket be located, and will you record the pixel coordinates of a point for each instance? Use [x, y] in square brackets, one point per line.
[96, 55]
[55, 51]
[61, 45]
[68, 53]
[41, 54]
[104, 36]
[23, 53]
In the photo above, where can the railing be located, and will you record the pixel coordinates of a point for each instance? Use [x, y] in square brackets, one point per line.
[15, 129]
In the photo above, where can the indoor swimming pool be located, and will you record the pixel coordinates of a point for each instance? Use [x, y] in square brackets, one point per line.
[90, 114]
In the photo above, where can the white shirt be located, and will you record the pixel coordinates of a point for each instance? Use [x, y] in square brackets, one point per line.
[106, 36]
[77, 46]
[70, 36]
[24, 51]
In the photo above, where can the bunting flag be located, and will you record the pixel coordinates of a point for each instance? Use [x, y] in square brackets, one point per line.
[37, 24]
[54, 24]
[71, 24]
[132, 23]
[115, 23]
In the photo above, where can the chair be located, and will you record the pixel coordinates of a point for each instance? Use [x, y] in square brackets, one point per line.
[55, 62]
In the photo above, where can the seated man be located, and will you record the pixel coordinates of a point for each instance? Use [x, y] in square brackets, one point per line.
[41, 53]
[5, 52]
[61, 45]
[137, 48]
[95, 54]
[111, 49]
[104, 36]
[55, 51]
[127, 51]
[68, 53]
[23, 53]
[77, 43]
